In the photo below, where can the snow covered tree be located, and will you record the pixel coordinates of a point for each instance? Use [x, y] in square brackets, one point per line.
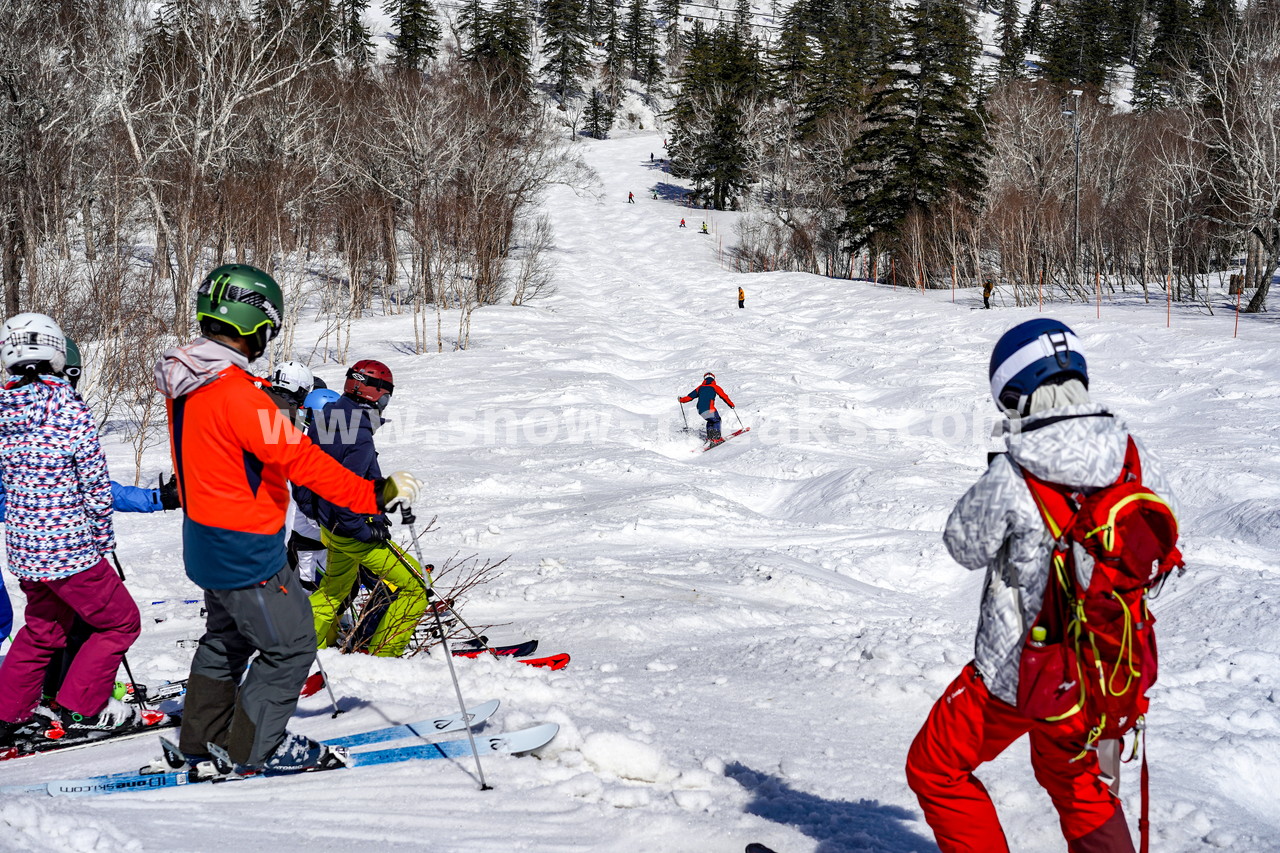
[924, 136]
[417, 33]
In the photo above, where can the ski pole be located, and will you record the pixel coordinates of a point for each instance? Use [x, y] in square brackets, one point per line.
[406, 517]
[333, 700]
[139, 691]
[684, 417]
[738, 416]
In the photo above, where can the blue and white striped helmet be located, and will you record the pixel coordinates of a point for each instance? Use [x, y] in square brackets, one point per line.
[1032, 354]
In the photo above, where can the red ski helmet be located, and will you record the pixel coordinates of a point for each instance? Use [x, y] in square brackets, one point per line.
[369, 381]
[708, 378]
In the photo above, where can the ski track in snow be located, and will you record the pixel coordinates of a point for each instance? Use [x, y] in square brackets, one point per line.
[757, 633]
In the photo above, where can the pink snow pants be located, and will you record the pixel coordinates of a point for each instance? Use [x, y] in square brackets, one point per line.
[97, 596]
[967, 727]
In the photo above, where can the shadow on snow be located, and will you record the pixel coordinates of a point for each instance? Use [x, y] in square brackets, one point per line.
[839, 826]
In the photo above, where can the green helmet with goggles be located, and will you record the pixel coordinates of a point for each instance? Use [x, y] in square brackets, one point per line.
[238, 299]
[74, 366]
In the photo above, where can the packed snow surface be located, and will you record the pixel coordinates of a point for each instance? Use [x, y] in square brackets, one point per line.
[757, 632]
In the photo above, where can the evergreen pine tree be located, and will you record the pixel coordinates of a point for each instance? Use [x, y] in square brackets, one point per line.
[668, 12]
[613, 73]
[565, 47]
[510, 47]
[599, 115]
[720, 74]
[742, 19]
[417, 33]
[314, 26]
[851, 48]
[1172, 43]
[354, 41]
[793, 55]
[1012, 52]
[635, 38]
[473, 25]
[1033, 28]
[1079, 42]
[924, 136]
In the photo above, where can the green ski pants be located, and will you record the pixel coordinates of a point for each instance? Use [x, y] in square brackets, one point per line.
[346, 556]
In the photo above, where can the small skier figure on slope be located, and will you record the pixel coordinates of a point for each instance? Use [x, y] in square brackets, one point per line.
[631, 198]
[682, 223]
[706, 394]
[1040, 380]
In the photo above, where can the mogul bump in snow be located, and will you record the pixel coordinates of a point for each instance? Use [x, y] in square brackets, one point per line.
[357, 539]
[234, 463]
[706, 395]
[58, 533]
[1039, 379]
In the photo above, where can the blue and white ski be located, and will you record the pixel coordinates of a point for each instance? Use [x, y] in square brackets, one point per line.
[442, 725]
[524, 740]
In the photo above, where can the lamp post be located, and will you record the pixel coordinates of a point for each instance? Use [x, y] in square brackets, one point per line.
[1075, 123]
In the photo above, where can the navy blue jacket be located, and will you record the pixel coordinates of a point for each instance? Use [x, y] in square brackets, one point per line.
[344, 430]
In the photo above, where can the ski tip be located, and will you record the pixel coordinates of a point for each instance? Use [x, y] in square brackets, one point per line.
[535, 737]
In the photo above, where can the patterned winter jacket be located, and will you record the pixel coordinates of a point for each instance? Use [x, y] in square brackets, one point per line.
[58, 494]
[997, 527]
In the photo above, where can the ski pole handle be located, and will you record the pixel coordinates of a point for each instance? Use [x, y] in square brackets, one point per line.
[406, 515]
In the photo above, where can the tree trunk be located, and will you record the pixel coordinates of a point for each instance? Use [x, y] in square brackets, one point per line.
[86, 225]
[1267, 263]
[14, 244]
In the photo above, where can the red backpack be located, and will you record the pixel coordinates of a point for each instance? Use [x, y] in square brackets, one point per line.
[1092, 648]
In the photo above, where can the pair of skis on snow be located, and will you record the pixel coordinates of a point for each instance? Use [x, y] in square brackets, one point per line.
[516, 742]
[144, 695]
[723, 439]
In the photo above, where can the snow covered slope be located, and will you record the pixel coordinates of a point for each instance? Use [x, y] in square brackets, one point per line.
[756, 632]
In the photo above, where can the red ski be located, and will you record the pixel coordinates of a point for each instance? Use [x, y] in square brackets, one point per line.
[519, 650]
[559, 661]
[726, 438]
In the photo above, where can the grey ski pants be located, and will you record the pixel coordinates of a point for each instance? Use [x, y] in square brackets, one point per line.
[248, 717]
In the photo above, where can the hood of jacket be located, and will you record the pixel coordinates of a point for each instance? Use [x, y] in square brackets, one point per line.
[33, 404]
[1081, 446]
[183, 369]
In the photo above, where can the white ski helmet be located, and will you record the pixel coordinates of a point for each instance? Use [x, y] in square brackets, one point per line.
[293, 378]
[29, 339]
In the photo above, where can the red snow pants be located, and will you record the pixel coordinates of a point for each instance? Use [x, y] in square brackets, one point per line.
[968, 726]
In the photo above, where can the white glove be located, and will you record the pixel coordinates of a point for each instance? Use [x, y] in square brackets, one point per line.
[401, 489]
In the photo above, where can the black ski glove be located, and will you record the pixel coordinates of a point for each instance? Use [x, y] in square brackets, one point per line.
[379, 530]
[169, 493]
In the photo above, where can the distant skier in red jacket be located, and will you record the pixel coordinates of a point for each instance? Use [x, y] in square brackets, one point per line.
[706, 394]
